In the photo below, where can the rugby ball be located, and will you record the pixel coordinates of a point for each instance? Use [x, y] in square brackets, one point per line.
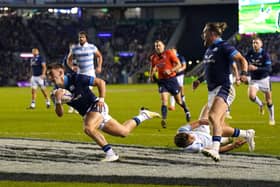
[67, 95]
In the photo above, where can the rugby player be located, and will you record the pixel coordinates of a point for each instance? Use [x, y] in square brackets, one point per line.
[84, 54]
[259, 68]
[38, 66]
[93, 109]
[218, 60]
[195, 136]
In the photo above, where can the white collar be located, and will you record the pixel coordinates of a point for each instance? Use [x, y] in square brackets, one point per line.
[85, 45]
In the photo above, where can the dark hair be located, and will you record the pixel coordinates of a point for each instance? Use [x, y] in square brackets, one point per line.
[55, 66]
[216, 27]
[83, 33]
[159, 41]
[180, 139]
[256, 38]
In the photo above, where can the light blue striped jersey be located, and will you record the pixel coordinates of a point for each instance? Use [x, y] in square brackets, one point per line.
[84, 56]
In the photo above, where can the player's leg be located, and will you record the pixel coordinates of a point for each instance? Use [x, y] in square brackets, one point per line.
[33, 98]
[113, 127]
[180, 80]
[42, 86]
[204, 112]
[216, 118]
[34, 87]
[92, 122]
[183, 93]
[218, 101]
[183, 105]
[270, 106]
[172, 103]
[164, 102]
[174, 86]
[44, 91]
[249, 135]
[252, 93]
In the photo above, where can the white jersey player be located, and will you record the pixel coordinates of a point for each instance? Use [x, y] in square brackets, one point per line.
[195, 136]
[84, 54]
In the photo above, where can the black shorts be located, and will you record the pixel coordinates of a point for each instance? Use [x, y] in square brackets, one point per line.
[169, 85]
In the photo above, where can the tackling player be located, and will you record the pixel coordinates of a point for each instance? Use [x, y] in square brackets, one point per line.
[94, 110]
[166, 64]
[259, 69]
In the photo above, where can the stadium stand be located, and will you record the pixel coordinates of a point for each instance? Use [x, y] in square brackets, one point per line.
[125, 51]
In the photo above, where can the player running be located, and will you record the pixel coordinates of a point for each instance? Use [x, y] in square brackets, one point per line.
[94, 110]
[166, 64]
[259, 69]
[180, 74]
[218, 60]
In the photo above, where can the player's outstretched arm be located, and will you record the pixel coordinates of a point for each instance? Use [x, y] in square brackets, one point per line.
[236, 144]
[58, 102]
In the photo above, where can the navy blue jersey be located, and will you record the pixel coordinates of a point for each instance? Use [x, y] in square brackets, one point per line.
[66, 67]
[262, 61]
[183, 61]
[78, 85]
[36, 65]
[218, 61]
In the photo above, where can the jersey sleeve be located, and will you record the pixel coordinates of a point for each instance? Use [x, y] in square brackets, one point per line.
[230, 50]
[42, 60]
[94, 48]
[185, 128]
[152, 60]
[84, 80]
[196, 147]
[267, 59]
[173, 57]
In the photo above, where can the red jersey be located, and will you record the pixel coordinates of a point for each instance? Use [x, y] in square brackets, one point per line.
[165, 61]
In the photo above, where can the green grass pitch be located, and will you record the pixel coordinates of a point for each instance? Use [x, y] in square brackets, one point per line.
[124, 102]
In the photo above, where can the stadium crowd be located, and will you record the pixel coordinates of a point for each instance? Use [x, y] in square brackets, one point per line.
[125, 51]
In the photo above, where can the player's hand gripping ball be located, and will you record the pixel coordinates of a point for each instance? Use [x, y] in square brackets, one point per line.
[66, 97]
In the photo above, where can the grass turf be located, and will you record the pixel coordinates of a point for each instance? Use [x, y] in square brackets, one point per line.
[124, 102]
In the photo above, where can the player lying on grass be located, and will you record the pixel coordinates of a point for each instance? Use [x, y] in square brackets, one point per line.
[94, 110]
[196, 135]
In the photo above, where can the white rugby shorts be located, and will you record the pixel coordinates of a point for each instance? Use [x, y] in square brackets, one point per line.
[180, 79]
[228, 98]
[262, 84]
[37, 81]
